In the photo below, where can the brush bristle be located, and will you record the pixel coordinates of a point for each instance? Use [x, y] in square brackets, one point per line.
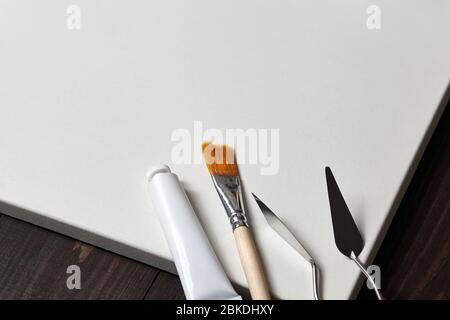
[219, 159]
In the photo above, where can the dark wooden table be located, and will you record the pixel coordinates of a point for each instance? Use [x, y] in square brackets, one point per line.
[414, 257]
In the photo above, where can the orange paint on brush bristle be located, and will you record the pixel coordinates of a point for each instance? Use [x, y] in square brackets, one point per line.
[219, 159]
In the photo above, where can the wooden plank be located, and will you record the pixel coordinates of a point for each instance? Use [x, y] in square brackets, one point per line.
[415, 255]
[166, 287]
[33, 264]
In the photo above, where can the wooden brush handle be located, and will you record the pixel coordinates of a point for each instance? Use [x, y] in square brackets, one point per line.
[251, 263]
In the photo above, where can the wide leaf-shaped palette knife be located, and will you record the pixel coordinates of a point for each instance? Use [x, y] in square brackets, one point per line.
[346, 234]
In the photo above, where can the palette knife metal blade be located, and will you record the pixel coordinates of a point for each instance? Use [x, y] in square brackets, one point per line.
[346, 234]
[280, 228]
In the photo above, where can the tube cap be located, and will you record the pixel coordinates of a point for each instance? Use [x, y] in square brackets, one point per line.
[162, 168]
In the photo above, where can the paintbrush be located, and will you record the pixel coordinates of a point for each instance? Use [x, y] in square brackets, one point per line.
[222, 166]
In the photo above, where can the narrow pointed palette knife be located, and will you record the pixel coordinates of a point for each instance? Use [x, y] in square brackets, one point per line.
[346, 234]
[280, 228]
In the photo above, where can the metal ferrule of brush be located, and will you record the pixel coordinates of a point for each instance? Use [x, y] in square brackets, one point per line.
[230, 193]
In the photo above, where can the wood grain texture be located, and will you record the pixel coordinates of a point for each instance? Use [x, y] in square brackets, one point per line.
[34, 261]
[166, 287]
[414, 257]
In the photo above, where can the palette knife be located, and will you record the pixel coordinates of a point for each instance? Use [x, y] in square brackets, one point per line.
[346, 234]
[280, 228]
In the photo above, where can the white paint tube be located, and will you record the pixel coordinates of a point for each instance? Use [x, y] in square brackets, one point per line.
[201, 274]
